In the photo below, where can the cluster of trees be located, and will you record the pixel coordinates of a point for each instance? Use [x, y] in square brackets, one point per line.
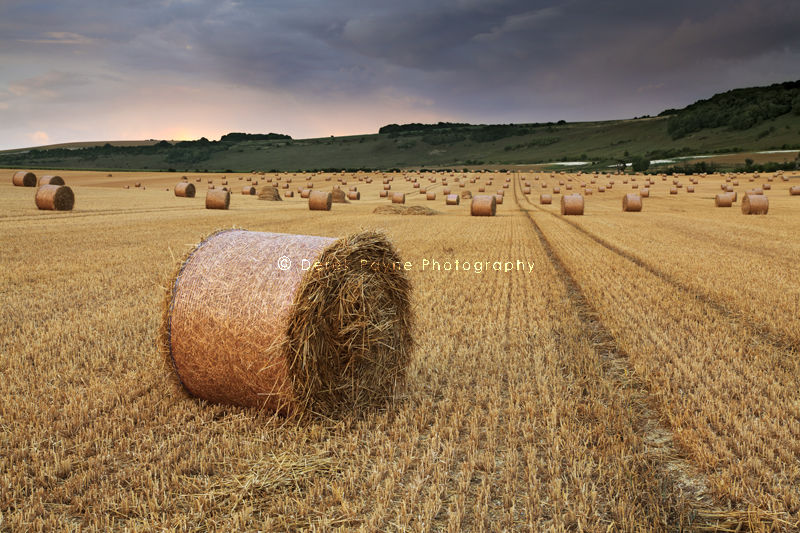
[739, 109]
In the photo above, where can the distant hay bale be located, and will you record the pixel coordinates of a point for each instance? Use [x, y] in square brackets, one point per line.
[724, 200]
[338, 196]
[572, 204]
[635, 186]
[644, 192]
[498, 199]
[673, 190]
[51, 180]
[321, 341]
[545, 199]
[54, 198]
[384, 194]
[481, 189]
[137, 184]
[631, 203]
[587, 192]
[305, 193]
[319, 200]
[556, 190]
[690, 188]
[387, 187]
[268, 192]
[354, 195]
[249, 190]
[505, 185]
[24, 178]
[430, 195]
[483, 205]
[197, 180]
[353, 188]
[185, 190]
[416, 185]
[755, 191]
[766, 186]
[603, 189]
[756, 204]
[394, 209]
[794, 190]
[466, 195]
[399, 198]
[309, 185]
[446, 191]
[288, 194]
[451, 199]
[218, 199]
[526, 190]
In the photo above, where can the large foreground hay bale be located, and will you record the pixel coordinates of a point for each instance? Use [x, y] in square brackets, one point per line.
[218, 199]
[238, 330]
[632, 203]
[756, 204]
[319, 200]
[572, 204]
[185, 189]
[51, 180]
[483, 205]
[55, 198]
[23, 178]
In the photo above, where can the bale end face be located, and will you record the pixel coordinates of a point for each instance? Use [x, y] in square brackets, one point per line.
[632, 203]
[185, 190]
[319, 341]
[24, 179]
[319, 200]
[452, 199]
[756, 204]
[398, 198]
[218, 199]
[572, 204]
[51, 180]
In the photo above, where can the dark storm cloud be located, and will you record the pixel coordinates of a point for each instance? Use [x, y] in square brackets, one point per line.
[472, 60]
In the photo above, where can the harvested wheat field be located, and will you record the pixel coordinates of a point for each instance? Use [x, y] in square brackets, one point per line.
[603, 372]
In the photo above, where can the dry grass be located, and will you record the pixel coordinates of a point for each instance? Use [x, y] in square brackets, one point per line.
[615, 387]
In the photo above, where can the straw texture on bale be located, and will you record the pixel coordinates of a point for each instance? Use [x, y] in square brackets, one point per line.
[556, 190]
[632, 203]
[690, 188]
[644, 192]
[499, 199]
[572, 204]
[756, 204]
[430, 195]
[384, 194]
[305, 193]
[321, 341]
[545, 199]
[452, 199]
[794, 190]
[466, 195]
[289, 194]
[673, 190]
[24, 179]
[249, 190]
[51, 180]
[483, 205]
[399, 198]
[319, 200]
[338, 196]
[724, 200]
[218, 199]
[268, 193]
[354, 195]
[525, 190]
[55, 198]
[185, 189]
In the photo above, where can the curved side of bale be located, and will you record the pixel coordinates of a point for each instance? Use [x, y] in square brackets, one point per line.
[55, 198]
[399, 198]
[794, 190]
[632, 203]
[322, 341]
[250, 190]
[756, 204]
[218, 199]
[572, 204]
[452, 199]
[24, 178]
[545, 199]
[319, 200]
[645, 192]
[51, 180]
[354, 195]
[483, 205]
[724, 199]
[338, 196]
[185, 189]
[269, 193]
[430, 195]
[498, 198]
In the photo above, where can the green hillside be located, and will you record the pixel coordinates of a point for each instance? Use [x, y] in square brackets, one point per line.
[772, 122]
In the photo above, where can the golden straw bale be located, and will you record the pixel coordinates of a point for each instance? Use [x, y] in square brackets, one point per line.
[430, 195]
[756, 204]
[398, 198]
[724, 200]
[319, 200]
[451, 199]
[218, 199]
[499, 199]
[353, 195]
[545, 199]
[632, 203]
[794, 190]
[483, 206]
[305, 193]
[54, 198]
[24, 178]
[51, 180]
[572, 204]
[250, 190]
[185, 189]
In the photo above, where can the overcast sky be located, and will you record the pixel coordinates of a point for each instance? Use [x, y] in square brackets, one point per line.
[73, 70]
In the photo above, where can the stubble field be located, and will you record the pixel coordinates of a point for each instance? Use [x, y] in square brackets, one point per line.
[641, 376]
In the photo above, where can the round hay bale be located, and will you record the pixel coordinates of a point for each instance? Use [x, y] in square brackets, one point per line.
[399, 198]
[269, 193]
[644, 192]
[673, 190]
[51, 180]
[218, 199]
[757, 204]
[126, 186]
[323, 341]
[197, 180]
[635, 186]
[587, 192]
[250, 190]
[423, 190]
[224, 182]
[353, 188]
[631, 203]
[451, 199]
[338, 196]
[481, 189]
[309, 185]
[690, 188]
[755, 191]
[305, 193]
[466, 195]
[416, 185]
[724, 200]
[484, 205]
[499, 199]
[794, 190]
[23, 178]
[288, 194]
[766, 186]
[545, 199]
[572, 204]
[505, 185]
[430, 195]
[568, 187]
[603, 189]
[446, 191]
[55, 198]
[354, 195]
[387, 187]
[137, 184]
[526, 190]
[384, 194]
[318, 200]
[185, 190]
